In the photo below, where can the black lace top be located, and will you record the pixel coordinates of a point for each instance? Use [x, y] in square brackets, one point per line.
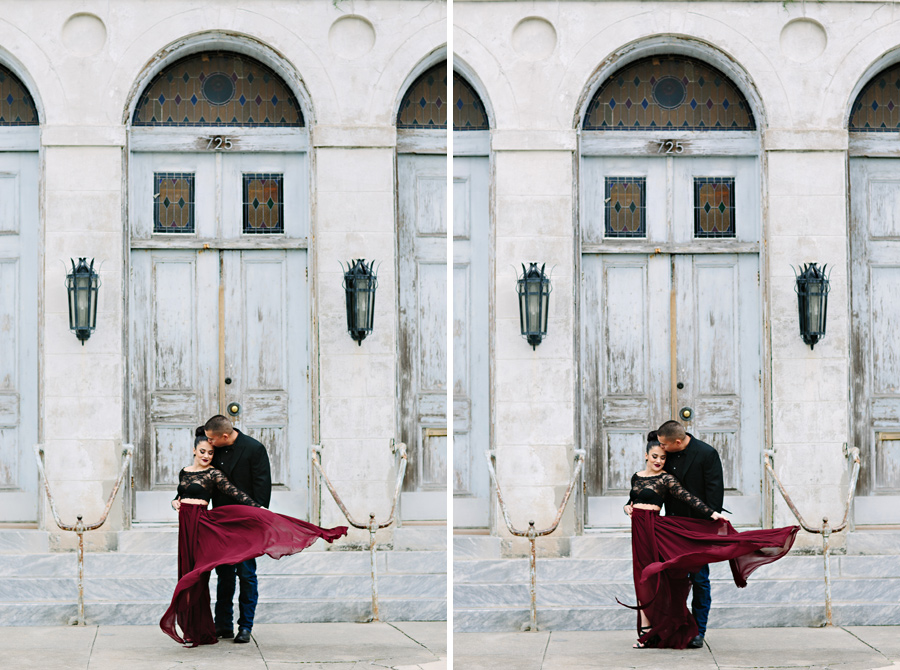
[201, 484]
[653, 491]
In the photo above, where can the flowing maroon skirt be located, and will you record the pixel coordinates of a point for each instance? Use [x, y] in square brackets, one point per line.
[225, 536]
[666, 548]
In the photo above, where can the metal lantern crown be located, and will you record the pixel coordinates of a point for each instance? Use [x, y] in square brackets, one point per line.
[534, 303]
[83, 284]
[812, 302]
[360, 282]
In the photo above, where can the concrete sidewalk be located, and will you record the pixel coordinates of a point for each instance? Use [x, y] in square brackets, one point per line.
[308, 646]
[850, 648]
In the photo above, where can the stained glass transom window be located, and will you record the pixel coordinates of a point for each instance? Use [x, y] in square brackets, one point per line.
[263, 203]
[714, 207]
[16, 105]
[173, 202]
[468, 110]
[626, 199]
[217, 89]
[425, 102]
[877, 107]
[669, 93]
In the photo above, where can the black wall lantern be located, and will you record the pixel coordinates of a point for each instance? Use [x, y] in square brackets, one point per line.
[83, 285]
[534, 303]
[360, 283]
[812, 302]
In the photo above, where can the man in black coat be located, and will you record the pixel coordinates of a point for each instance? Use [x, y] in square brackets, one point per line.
[246, 464]
[699, 469]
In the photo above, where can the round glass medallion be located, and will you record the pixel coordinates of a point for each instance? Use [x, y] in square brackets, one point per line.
[218, 88]
[669, 92]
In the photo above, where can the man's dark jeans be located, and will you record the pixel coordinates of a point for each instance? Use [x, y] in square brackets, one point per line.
[701, 601]
[247, 596]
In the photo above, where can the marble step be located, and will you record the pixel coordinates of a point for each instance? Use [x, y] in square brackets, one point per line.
[25, 541]
[552, 570]
[475, 546]
[721, 616]
[268, 611]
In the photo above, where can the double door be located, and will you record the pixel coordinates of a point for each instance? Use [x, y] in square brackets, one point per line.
[219, 315]
[671, 322]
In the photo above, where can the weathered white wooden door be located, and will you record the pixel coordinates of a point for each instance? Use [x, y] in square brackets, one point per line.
[422, 260]
[471, 361]
[671, 321]
[19, 228]
[219, 316]
[875, 347]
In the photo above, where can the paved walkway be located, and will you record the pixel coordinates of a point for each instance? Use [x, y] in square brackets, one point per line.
[310, 646]
[850, 648]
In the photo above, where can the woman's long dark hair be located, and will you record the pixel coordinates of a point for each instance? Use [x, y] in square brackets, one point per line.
[652, 440]
[199, 435]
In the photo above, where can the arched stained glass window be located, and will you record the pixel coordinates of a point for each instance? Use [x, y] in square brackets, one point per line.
[669, 93]
[877, 107]
[425, 103]
[17, 107]
[468, 110]
[218, 89]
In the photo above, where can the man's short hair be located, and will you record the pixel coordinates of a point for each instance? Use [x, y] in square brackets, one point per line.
[671, 430]
[219, 425]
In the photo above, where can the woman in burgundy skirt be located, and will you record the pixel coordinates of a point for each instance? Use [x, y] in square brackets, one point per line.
[666, 548]
[222, 536]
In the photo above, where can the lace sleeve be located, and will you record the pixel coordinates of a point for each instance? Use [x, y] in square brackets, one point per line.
[677, 491]
[229, 489]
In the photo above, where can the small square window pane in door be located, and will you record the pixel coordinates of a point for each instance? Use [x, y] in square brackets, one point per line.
[173, 202]
[714, 209]
[626, 204]
[263, 203]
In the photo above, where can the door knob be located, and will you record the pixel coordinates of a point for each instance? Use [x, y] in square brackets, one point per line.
[234, 408]
[686, 413]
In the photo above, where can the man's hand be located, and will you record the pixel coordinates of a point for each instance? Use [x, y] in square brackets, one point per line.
[628, 509]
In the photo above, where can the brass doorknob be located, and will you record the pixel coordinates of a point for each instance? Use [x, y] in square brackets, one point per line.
[686, 413]
[234, 408]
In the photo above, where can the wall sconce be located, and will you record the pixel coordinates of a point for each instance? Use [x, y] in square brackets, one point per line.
[83, 285]
[360, 282]
[812, 302]
[534, 303]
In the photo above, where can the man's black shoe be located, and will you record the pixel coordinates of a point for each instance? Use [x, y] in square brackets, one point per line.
[243, 636]
[696, 643]
[226, 633]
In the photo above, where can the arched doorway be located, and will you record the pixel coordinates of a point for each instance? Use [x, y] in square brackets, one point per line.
[422, 281]
[472, 243]
[219, 291]
[671, 318]
[874, 289]
[19, 269]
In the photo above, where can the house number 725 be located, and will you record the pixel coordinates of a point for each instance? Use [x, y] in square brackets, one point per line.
[219, 143]
[669, 147]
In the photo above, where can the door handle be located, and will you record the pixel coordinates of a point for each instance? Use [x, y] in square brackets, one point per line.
[686, 413]
[234, 408]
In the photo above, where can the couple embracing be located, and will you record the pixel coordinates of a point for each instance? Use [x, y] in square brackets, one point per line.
[232, 470]
[671, 553]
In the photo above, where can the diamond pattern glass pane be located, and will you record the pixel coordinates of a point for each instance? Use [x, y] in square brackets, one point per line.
[263, 203]
[468, 110]
[173, 204]
[714, 207]
[425, 102]
[16, 106]
[669, 93]
[626, 199]
[877, 107]
[217, 89]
